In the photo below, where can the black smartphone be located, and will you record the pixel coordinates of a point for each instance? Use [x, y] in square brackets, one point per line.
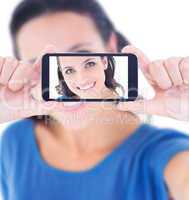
[89, 77]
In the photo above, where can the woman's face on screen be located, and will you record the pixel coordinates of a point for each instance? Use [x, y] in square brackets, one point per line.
[61, 30]
[84, 75]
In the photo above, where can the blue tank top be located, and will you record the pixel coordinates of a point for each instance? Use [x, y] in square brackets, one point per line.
[132, 171]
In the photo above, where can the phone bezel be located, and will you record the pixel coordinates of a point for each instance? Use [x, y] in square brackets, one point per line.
[132, 76]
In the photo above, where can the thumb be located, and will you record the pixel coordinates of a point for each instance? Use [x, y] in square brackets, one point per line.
[47, 107]
[38, 63]
[143, 61]
[143, 106]
[37, 82]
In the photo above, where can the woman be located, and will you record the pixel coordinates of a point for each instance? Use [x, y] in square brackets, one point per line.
[87, 150]
[87, 77]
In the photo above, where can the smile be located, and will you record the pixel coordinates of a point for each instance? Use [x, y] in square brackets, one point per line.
[87, 87]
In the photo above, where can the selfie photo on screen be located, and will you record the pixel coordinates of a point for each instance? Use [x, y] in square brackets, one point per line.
[88, 77]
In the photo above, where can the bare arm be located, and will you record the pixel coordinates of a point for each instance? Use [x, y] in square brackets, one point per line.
[177, 176]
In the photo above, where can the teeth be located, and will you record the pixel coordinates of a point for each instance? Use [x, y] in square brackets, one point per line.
[86, 87]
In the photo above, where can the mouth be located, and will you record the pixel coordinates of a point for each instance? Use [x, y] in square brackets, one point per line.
[76, 106]
[87, 87]
[73, 106]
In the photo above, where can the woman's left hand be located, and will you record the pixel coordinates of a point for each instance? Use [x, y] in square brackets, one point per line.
[170, 81]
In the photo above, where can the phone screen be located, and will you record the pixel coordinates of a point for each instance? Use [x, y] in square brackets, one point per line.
[89, 77]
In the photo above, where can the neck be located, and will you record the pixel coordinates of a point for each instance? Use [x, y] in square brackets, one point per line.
[111, 128]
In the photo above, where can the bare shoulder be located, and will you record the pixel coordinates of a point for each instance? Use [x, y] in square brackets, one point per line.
[177, 175]
[179, 163]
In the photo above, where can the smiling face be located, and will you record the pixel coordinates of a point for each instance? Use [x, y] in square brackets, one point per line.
[61, 30]
[84, 75]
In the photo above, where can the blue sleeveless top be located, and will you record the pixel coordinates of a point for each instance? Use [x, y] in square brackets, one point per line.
[132, 171]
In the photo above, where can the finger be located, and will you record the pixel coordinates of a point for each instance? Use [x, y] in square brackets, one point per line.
[27, 73]
[2, 60]
[36, 91]
[160, 75]
[37, 70]
[45, 107]
[48, 49]
[184, 68]
[143, 61]
[172, 67]
[8, 69]
[26, 106]
[37, 66]
[20, 77]
[29, 106]
[150, 107]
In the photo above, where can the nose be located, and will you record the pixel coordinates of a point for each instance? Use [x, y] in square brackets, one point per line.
[82, 79]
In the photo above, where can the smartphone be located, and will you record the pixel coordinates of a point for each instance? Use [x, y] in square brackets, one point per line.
[89, 77]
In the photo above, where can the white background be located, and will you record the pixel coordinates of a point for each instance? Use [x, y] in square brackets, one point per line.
[159, 28]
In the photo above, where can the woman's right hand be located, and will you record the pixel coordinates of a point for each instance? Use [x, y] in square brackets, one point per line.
[20, 89]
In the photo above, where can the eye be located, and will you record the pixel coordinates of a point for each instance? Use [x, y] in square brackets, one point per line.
[69, 71]
[90, 64]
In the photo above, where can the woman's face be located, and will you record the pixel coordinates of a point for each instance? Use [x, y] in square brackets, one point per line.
[85, 75]
[69, 32]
